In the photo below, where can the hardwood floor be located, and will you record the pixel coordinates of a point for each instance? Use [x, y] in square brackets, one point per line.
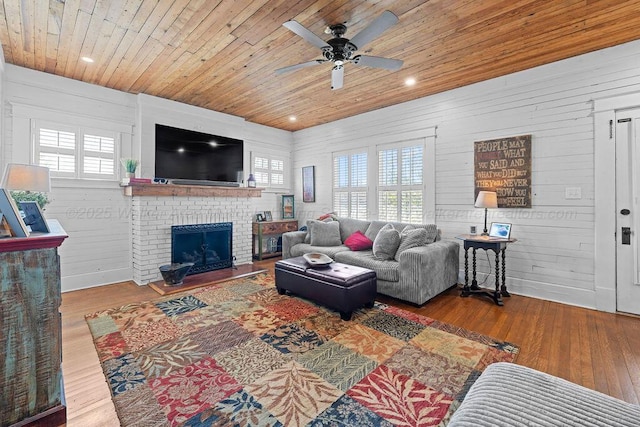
[598, 350]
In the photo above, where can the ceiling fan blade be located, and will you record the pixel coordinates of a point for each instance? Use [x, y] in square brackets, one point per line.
[306, 34]
[337, 77]
[377, 62]
[374, 29]
[298, 66]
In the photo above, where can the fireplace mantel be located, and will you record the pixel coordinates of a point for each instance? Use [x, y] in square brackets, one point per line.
[168, 190]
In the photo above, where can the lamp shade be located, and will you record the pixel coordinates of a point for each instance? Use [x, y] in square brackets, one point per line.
[487, 199]
[26, 178]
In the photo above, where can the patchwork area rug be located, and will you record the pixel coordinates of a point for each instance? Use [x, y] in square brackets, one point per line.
[237, 353]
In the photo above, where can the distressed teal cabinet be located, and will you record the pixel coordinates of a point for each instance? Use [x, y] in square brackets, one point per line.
[30, 329]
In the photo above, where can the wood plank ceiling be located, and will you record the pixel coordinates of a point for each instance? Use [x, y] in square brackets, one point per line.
[221, 54]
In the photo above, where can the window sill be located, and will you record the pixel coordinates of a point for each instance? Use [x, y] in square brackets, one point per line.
[83, 183]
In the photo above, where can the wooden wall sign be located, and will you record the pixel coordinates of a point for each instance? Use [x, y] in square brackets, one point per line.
[504, 166]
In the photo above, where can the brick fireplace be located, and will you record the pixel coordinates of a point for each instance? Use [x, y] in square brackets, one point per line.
[157, 207]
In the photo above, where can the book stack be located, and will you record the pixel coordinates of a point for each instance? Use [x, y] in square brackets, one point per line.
[134, 181]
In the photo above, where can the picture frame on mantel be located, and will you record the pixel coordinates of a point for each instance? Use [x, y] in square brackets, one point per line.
[308, 184]
[288, 206]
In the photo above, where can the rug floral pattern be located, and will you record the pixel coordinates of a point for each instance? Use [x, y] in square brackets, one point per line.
[237, 353]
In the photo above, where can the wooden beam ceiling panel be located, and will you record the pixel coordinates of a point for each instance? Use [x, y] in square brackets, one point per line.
[222, 54]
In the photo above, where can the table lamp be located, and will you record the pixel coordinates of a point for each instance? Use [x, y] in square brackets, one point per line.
[486, 199]
[26, 178]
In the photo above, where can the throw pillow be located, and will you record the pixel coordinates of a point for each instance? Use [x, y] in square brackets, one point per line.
[307, 238]
[411, 237]
[325, 233]
[358, 242]
[386, 243]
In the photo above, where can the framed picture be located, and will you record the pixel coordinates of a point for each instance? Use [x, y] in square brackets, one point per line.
[259, 217]
[33, 216]
[12, 215]
[287, 207]
[308, 184]
[267, 216]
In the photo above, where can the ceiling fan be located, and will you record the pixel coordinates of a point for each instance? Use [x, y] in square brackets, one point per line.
[340, 50]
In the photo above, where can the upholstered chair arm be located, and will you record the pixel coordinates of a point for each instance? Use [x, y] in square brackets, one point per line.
[290, 239]
[426, 271]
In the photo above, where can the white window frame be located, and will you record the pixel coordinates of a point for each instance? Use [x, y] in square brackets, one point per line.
[426, 136]
[271, 158]
[80, 152]
[399, 187]
[352, 191]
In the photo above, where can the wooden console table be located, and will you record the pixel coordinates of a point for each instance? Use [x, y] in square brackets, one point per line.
[265, 233]
[499, 246]
[31, 336]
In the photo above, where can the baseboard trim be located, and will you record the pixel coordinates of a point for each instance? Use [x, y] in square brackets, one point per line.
[585, 298]
[91, 280]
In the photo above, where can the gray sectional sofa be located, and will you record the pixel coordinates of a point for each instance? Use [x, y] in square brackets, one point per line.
[414, 272]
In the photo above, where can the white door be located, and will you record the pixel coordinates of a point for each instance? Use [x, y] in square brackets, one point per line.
[627, 210]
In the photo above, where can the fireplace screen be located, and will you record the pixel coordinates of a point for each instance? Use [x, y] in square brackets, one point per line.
[208, 246]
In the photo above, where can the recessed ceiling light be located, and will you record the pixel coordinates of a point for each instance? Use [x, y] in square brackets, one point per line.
[87, 59]
[409, 81]
[181, 150]
[213, 143]
[292, 118]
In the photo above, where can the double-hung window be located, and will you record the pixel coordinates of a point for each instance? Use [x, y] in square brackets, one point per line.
[76, 152]
[400, 183]
[350, 184]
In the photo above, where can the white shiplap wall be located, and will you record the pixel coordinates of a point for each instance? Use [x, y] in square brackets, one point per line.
[96, 214]
[554, 257]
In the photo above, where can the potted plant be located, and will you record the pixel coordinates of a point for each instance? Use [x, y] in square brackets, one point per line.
[30, 196]
[130, 166]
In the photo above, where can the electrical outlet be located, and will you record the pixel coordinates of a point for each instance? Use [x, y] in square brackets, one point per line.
[573, 193]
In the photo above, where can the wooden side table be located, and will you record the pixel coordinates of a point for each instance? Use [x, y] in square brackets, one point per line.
[499, 246]
[265, 237]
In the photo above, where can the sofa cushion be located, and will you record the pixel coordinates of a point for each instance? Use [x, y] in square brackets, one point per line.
[323, 218]
[358, 242]
[348, 226]
[374, 228]
[385, 269]
[411, 237]
[324, 233]
[305, 248]
[386, 243]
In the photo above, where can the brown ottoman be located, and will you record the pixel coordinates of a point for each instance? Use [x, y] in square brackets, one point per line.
[338, 286]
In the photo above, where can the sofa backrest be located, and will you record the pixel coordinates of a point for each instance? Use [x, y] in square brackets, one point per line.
[433, 234]
[348, 226]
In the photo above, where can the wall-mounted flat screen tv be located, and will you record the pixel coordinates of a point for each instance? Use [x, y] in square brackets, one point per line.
[191, 155]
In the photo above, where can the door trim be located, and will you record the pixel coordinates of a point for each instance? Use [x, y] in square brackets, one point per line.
[604, 113]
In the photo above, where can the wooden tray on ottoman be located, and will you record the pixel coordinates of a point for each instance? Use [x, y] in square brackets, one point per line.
[338, 286]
